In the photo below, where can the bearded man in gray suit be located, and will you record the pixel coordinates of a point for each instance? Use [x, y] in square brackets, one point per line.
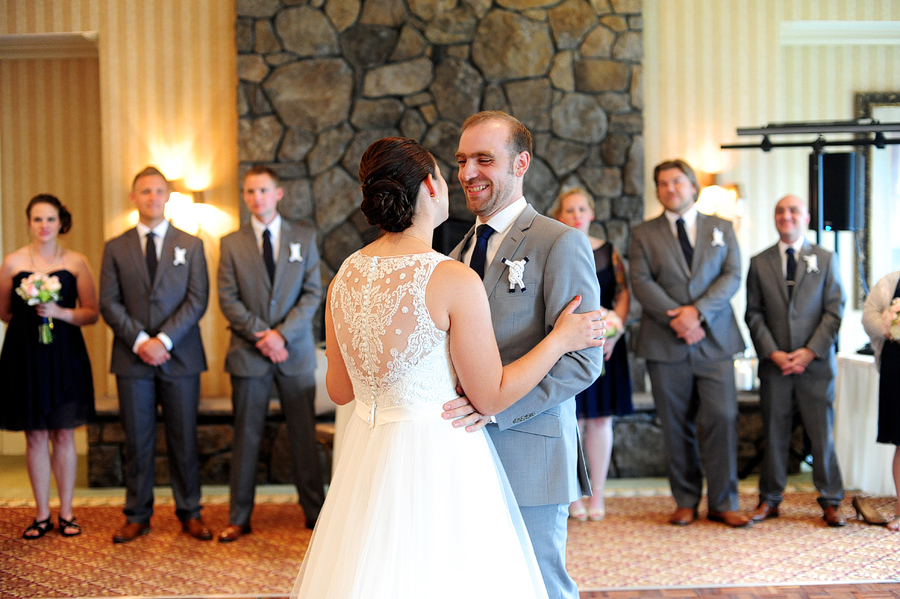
[532, 267]
[795, 303]
[269, 290]
[154, 288]
[685, 267]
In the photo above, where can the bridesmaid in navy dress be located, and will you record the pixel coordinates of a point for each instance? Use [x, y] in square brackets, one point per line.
[48, 389]
[610, 395]
[877, 320]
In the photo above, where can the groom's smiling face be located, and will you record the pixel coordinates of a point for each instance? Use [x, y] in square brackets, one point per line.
[486, 169]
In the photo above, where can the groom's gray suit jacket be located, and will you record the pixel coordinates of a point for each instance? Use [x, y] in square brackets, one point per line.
[537, 437]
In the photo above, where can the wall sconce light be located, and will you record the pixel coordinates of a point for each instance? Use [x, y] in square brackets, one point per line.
[722, 200]
[179, 186]
[181, 209]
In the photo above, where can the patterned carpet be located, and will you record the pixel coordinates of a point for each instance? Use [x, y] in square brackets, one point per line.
[633, 548]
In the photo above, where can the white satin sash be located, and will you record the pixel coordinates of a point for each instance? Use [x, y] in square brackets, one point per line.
[376, 416]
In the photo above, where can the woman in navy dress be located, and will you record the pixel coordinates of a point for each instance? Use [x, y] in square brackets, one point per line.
[877, 320]
[610, 395]
[48, 389]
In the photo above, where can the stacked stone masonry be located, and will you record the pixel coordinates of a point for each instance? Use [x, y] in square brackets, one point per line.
[319, 80]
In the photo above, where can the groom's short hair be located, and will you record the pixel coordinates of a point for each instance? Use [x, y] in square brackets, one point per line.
[519, 137]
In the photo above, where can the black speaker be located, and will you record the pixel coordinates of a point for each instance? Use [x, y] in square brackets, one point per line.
[840, 175]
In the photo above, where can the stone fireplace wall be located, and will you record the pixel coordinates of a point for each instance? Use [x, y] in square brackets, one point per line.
[322, 79]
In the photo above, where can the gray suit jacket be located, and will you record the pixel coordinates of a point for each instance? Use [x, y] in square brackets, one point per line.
[172, 304]
[661, 281]
[810, 319]
[252, 303]
[537, 437]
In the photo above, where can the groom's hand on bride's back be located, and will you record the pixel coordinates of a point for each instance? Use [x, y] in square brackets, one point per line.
[463, 413]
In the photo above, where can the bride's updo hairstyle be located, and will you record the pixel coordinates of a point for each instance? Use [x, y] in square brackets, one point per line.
[391, 172]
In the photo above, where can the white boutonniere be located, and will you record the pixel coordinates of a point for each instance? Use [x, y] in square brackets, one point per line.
[516, 273]
[718, 238]
[180, 256]
[812, 263]
[295, 253]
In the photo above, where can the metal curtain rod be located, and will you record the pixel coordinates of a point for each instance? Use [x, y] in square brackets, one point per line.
[765, 145]
[819, 127]
[858, 127]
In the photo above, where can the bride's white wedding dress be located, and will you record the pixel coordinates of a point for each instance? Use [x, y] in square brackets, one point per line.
[417, 508]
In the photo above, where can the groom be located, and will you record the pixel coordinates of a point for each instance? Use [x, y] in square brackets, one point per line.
[537, 437]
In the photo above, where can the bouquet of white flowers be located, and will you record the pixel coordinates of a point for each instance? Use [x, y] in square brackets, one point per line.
[36, 289]
[890, 320]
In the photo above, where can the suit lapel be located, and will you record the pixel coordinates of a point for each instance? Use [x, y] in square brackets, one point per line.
[284, 253]
[508, 247]
[464, 244]
[167, 255]
[805, 250]
[703, 243]
[664, 232]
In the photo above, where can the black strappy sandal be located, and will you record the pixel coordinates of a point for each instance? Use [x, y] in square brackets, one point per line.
[42, 528]
[64, 524]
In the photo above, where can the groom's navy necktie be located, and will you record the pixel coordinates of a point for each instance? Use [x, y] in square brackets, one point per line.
[268, 255]
[479, 254]
[685, 242]
[150, 256]
[791, 271]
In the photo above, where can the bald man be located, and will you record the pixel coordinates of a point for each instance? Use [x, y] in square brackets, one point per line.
[795, 302]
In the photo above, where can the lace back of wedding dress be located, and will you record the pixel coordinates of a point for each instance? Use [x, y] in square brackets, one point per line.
[390, 522]
[394, 353]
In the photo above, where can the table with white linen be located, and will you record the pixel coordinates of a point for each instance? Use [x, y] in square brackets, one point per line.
[865, 465]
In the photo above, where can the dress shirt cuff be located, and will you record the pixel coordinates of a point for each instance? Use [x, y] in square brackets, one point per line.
[165, 340]
[141, 338]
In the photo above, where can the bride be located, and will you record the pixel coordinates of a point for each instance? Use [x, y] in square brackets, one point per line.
[417, 507]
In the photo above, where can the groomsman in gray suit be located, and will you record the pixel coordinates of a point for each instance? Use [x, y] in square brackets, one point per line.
[154, 288]
[685, 267]
[532, 267]
[795, 303]
[269, 290]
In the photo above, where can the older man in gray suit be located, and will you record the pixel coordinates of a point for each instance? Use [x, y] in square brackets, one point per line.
[154, 288]
[685, 267]
[795, 302]
[269, 290]
[532, 267]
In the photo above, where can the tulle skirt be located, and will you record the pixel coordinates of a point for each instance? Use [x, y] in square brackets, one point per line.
[418, 508]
